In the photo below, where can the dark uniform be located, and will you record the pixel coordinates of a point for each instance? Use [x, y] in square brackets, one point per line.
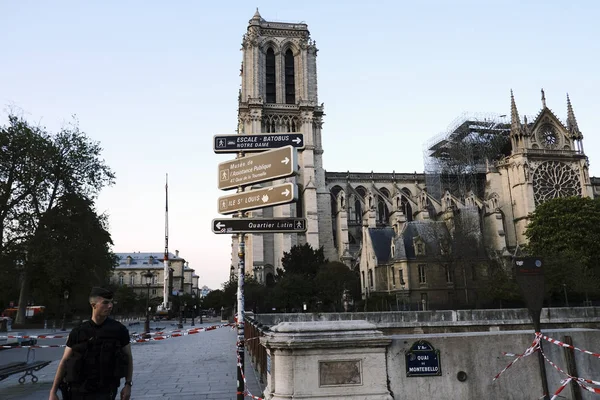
[98, 362]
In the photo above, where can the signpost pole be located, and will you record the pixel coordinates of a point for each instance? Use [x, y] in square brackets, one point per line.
[240, 315]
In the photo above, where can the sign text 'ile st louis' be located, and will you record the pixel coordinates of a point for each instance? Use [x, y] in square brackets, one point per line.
[262, 167]
[253, 143]
[258, 198]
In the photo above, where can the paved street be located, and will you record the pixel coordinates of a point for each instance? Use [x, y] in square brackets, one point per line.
[199, 366]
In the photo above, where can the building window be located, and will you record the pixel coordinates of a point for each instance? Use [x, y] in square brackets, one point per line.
[121, 280]
[422, 276]
[448, 274]
[153, 291]
[363, 279]
[393, 277]
[371, 278]
[290, 89]
[270, 77]
[473, 272]
[132, 280]
[154, 279]
[401, 276]
[420, 248]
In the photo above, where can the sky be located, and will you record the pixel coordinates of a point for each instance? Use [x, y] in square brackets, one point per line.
[154, 81]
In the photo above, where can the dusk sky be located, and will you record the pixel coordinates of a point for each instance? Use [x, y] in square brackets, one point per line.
[153, 81]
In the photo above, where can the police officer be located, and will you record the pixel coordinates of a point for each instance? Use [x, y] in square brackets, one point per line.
[97, 356]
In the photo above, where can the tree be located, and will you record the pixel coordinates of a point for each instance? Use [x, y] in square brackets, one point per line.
[566, 233]
[37, 169]
[214, 300]
[302, 260]
[70, 250]
[332, 280]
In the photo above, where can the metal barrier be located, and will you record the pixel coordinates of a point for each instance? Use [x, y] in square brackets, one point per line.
[252, 333]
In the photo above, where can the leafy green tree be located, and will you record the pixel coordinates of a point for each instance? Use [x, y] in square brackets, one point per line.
[302, 260]
[566, 233]
[291, 291]
[332, 280]
[71, 250]
[254, 294]
[214, 300]
[37, 169]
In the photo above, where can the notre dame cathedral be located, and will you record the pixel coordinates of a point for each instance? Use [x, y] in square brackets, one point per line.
[406, 233]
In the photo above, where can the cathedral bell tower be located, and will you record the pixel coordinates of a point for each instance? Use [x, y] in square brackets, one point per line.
[546, 161]
[279, 94]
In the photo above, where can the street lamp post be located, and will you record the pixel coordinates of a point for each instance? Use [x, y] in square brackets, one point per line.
[180, 324]
[66, 296]
[148, 275]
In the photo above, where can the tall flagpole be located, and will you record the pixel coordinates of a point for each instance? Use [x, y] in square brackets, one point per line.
[166, 255]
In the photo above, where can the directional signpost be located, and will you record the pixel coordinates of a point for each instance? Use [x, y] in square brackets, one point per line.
[258, 198]
[278, 158]
[252, 143]
[262, 167]
[259, 225]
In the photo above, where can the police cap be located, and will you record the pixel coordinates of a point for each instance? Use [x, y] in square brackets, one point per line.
[101, 292]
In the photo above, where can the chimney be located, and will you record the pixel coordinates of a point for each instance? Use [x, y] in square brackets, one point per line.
[176, 253]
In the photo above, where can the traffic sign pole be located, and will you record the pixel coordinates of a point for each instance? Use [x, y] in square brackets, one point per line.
[240, 315]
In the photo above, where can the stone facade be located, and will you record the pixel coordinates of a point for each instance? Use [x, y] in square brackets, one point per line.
[366, 220]
[133, 266]
[279, 94]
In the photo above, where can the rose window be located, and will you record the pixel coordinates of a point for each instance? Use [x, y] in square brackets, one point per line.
[555, 179]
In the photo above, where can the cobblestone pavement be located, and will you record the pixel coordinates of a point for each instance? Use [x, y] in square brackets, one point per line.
[199, 366]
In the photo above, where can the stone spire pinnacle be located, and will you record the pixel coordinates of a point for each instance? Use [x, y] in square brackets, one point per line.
[514, 114]
[256, 14]
[571, 121]
[543, 99]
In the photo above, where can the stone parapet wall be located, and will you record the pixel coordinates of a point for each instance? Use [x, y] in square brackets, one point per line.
[451, 320]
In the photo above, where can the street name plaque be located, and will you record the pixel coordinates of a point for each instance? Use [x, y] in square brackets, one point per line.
[259, 225]
[253, 143]
[262, 167]
[258, 198]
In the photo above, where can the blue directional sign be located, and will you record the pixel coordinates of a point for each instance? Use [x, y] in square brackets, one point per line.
[423, 360]
[253, 143]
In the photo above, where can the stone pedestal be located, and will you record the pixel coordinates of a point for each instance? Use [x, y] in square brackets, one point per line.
[326, 360]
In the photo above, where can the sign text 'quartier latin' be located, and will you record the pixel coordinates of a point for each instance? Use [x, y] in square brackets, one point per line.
[261, 167]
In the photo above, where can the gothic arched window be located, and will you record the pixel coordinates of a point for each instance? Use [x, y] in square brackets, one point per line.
[270, 77]
[290, 88]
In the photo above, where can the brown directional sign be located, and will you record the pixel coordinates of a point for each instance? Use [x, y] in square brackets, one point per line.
[259, 225]
[261, 167]
[258, 198]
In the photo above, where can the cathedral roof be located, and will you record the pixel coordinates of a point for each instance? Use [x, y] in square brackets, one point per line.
[381, 238]
[432, 233]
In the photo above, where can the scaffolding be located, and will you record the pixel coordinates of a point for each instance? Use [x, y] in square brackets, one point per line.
[457, 159]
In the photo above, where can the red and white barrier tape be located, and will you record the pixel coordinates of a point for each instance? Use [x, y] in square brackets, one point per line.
[136, 338]
[582, 382]
[142, 337]
[33, 346]
[562, 344]
[246, 392]
[530, 350]
[34, 337]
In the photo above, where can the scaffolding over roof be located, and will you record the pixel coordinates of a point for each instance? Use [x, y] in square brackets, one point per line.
[456, 160]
